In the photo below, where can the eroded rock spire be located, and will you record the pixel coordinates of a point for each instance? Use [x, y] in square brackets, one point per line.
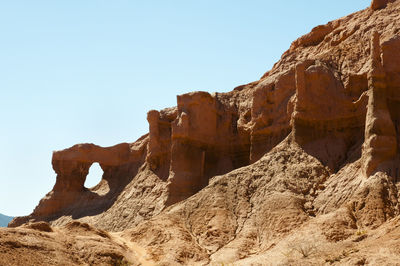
[380, 136]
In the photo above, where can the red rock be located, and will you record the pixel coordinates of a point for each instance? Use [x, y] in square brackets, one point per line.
[306, 158]
[379, 4]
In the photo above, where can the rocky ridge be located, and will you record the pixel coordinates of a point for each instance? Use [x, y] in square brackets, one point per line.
[301, 166]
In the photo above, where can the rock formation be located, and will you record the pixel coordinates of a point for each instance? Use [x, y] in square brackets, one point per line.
[380, 135]
[304, 160]
[379, 4]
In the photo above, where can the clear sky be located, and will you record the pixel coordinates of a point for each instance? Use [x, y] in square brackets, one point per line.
[88, 71]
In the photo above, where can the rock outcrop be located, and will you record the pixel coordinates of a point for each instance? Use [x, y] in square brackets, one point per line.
[309, 152]
[120, 164]
[380, 144]
[379, 4]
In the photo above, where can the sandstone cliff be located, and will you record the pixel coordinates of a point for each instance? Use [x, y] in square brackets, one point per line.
[310, 151]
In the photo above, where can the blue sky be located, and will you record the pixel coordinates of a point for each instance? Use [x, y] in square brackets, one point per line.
[88, 71]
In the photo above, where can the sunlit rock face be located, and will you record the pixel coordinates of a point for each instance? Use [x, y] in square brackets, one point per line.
[312, 148]
[379, 4]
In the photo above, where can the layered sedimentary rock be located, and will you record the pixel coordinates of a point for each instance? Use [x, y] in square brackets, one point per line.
[329, 90]
[69, 196]
[307, 154]
[325, 131]
[380, 144]
[200, 139]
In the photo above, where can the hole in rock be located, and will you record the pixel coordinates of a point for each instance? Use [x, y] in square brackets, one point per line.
[94, 177]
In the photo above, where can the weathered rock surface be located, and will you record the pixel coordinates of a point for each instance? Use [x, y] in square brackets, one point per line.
[379, 4]
[73, 244]
[299, 167]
